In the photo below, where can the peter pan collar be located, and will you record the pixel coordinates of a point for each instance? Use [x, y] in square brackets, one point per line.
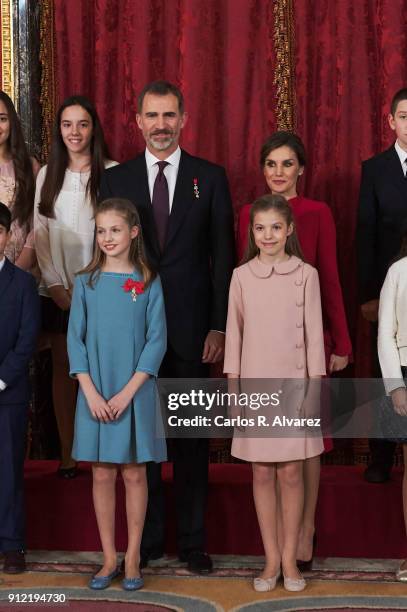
[261, 270]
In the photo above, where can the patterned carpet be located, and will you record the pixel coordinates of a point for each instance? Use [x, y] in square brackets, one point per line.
[334, 584]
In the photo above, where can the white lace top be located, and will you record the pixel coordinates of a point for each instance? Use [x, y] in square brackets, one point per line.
[64, 245]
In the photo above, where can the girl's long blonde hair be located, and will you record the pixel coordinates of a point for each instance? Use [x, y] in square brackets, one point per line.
[137, 255]
[281, 206]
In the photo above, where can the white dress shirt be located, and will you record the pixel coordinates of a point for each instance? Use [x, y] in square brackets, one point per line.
[170, 171]
[402, 156]
[64, 245]
[2, 383]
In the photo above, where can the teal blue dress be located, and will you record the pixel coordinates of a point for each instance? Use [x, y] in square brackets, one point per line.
[111, 336]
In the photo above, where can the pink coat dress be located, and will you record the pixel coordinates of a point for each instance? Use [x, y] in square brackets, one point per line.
[274, 331]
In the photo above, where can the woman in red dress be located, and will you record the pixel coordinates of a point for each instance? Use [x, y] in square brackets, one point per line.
[283, 160]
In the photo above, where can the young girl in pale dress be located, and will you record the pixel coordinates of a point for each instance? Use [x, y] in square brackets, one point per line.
[17, 182]
[116, 340]
[274, 330]
[65, 203]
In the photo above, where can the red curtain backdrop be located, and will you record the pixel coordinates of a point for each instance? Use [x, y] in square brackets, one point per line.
[220, 52]
[350, 60]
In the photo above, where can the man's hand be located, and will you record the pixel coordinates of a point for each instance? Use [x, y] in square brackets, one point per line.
[399, 399]
[214, 347]
[370, 311]
[60, 296]
[337, 363]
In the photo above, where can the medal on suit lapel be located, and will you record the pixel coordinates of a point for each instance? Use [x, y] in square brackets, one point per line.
[196, 188]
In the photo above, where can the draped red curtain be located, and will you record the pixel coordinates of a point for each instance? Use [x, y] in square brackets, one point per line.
[220, 52]
[350, 60]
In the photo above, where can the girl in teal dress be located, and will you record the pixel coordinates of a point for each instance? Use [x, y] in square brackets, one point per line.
[116, 341]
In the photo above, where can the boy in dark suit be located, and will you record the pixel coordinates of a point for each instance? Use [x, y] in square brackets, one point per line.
[19, 326]
[382, 210]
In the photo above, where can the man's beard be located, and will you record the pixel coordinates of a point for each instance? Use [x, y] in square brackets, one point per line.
[162, 145]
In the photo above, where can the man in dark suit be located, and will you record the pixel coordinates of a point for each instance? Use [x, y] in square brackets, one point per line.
[187, 221]
[19, 326]
[382, 210]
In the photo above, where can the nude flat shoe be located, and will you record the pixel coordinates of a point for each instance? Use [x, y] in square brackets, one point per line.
[294, 584]
[261, 585]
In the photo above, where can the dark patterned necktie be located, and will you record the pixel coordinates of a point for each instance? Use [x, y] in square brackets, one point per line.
[161, 204]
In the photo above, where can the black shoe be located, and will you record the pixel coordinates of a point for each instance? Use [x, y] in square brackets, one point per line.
[198, 561]
[377, 473]
[306, 566]
[67, 473]
[14, 562]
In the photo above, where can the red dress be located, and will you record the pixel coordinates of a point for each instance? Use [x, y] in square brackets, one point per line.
[317, 235]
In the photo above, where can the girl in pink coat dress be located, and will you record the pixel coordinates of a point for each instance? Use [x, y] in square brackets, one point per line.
[283, 160]
[274, 330]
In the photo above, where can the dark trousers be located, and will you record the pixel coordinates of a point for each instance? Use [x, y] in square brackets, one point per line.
[190, 458]
[381, 451]
[13, 429]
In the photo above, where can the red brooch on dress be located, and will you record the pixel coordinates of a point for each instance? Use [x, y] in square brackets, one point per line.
[133, 287]
[196, 188]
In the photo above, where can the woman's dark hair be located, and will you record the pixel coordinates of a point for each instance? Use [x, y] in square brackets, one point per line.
[137, 254]
[283, 139]
[59, 159]
[282, 207]
[23, 204]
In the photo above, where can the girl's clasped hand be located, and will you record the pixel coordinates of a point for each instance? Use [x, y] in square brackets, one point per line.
[100, 408]
[108, 410]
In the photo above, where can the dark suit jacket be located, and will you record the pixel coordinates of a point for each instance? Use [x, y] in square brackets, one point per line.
[19, 327]
[382, 211]
[198, 258]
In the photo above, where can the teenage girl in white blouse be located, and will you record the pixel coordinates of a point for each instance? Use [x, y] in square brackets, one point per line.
[65, 200]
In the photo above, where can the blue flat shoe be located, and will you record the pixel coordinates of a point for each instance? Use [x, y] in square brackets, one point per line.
[132, 584]
[102, 582]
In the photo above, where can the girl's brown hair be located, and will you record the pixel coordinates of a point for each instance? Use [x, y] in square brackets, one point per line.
[24, 177]
[59, 159]
[137, 255]
[282, 207]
